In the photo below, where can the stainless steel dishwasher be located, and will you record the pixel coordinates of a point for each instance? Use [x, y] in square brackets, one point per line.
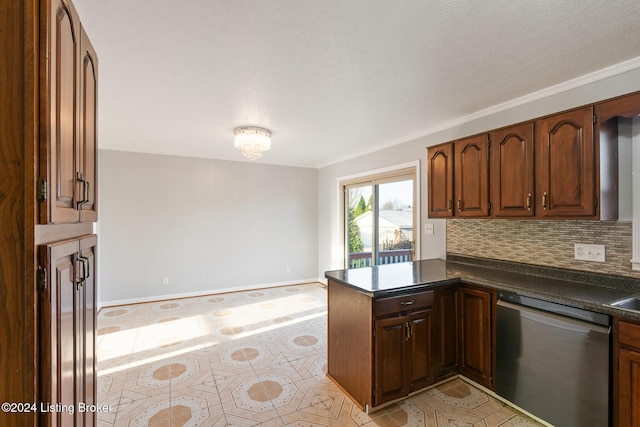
[553, 360]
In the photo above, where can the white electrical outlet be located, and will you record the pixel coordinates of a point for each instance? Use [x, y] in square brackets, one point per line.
[587, 252]
[428, 228]
[165, 280]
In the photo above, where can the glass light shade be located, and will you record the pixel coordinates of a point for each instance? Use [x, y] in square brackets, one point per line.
[252, 141]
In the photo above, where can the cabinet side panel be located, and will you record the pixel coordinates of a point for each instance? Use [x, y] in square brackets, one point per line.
[350, 351]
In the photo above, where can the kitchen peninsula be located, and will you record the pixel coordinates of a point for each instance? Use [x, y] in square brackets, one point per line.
[395, 329]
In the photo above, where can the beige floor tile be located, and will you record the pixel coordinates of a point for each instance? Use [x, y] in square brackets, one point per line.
[254, 358]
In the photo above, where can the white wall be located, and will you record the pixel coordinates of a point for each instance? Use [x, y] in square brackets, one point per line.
[207, 225]
[573, 94]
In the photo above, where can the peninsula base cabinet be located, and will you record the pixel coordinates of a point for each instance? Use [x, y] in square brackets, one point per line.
[627, 374]
[381, 349]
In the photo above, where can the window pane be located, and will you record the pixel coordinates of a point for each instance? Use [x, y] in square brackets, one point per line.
[359, 226]
[395, 238]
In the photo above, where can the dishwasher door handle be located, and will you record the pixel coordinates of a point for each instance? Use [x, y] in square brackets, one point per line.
[555, 317]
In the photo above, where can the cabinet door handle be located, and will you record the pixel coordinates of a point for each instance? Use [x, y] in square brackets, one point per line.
[529, 201]
[450, 205]
[459, 205]
[407, 327]
[85, 189]
[544, 201]
[406, 302]
[85, 267]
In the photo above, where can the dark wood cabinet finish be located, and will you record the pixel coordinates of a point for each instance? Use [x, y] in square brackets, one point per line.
[458, 178]
[626, 376]
[512, 171]
[379, 349]
[403, 361]
[447, 335]
[67, 331]
[566, 166]
[476, 355]
[440, 181]
[471, 177]
[68, 68]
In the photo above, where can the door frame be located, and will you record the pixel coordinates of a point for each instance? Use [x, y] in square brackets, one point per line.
[388, 171]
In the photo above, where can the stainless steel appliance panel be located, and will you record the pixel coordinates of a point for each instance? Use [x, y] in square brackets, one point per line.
[553, 365]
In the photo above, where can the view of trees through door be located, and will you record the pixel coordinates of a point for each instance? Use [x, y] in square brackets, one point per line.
[379, 220]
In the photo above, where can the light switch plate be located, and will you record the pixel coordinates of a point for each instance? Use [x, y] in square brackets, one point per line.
[428, 228]
[587, 252]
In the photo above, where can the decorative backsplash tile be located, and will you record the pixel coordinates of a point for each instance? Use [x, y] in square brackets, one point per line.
[548, 243]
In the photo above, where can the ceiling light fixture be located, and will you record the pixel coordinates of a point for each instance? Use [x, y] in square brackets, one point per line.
[252, 141]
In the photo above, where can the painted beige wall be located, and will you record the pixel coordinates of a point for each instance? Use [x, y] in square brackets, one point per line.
[208, 225]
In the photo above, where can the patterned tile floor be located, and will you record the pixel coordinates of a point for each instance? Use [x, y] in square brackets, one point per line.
[255, 358]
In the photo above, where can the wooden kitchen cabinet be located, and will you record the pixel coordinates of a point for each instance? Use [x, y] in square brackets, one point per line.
[476, 334]
[512, 171]
[402, 355]
[566, 165]
[458, 178]
[626, 381]
[440, 180]
[67, 327]
[68, 155]
[379, 349]
[447, 332]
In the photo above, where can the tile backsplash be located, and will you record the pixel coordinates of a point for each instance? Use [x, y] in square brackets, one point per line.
[548, 243]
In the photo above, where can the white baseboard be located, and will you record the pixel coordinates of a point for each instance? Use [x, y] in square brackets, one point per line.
[154, 298]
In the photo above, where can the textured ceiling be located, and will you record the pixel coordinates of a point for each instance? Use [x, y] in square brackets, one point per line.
[332, 79]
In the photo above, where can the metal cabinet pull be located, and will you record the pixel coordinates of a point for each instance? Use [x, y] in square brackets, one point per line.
[407, 328]
[544, 201]
[529, 201]
[85, 189]
[459, 205]
[406, 302]
[450, 205]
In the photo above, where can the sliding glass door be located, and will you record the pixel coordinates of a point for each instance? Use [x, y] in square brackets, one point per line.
[379, 219]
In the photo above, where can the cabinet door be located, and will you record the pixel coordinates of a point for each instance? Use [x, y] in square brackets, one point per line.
[629, 388]
[59, 345]
[440, 180]
[87, 147]
[59, 121]
[390, 355]
[86, 331]
[512, 175]
[476, 343]
[566, 174]
[447, 336]
[420, 360]
[472, 176]
[67, 325]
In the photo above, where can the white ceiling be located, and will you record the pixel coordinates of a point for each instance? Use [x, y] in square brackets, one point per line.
[333, 79]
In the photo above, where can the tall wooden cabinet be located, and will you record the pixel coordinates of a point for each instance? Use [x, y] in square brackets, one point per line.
[48, 159]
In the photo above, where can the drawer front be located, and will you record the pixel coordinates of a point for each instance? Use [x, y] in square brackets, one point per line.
[629, 334]
[403, 303]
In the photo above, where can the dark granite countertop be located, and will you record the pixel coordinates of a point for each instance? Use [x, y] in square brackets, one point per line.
[590, 291]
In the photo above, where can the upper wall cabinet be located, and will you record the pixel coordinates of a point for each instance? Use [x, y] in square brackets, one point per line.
[68, 156]
[512, 174]
[440, 179]
[459, 178]
[566, 167]
[471, 165]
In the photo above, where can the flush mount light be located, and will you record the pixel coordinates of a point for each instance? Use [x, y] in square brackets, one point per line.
[252, 141]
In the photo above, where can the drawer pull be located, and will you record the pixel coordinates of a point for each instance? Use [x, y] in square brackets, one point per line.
[406, 302]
